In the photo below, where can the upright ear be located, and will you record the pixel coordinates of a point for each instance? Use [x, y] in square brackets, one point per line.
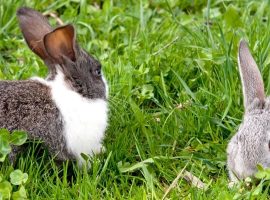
[34, 27]
[61, 42]
[252, 82]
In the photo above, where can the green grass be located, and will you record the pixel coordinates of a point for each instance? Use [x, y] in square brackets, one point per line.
[175, 93]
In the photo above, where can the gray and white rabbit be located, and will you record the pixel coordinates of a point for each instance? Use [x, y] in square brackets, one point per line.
[251, 144]
[68, 109]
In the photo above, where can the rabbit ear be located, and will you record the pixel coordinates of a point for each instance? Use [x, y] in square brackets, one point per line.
[34, 27]
[251, 78]
[61, 42]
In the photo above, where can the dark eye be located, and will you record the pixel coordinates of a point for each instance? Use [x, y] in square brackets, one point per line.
[97, 72]
[269, 144]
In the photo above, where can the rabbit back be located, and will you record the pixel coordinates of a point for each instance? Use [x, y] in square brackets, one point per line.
[249, 146]
[27, 105]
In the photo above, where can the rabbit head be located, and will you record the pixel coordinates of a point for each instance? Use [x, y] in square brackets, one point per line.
[60, 52]
[250, 146]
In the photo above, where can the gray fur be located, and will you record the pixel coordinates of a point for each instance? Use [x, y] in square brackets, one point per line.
[250, 145]
[82, 78]
[28, 105]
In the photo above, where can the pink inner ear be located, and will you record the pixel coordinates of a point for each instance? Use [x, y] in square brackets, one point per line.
[61, 42]
[38, 48]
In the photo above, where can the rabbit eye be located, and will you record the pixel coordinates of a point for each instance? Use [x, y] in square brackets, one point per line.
[269, 144]
[98, 72]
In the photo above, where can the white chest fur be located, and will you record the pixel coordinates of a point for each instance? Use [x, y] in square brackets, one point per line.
[85, 120]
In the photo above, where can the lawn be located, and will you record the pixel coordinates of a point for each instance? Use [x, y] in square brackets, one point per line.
[175, 95]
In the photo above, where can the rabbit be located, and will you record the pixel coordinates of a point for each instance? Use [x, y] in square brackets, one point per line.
[250, 146]
[67, 110]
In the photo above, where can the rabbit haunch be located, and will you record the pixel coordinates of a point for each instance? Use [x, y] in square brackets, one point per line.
[85, 120]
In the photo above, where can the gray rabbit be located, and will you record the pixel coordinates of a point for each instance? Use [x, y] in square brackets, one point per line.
[68, 109]
[251, 144]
